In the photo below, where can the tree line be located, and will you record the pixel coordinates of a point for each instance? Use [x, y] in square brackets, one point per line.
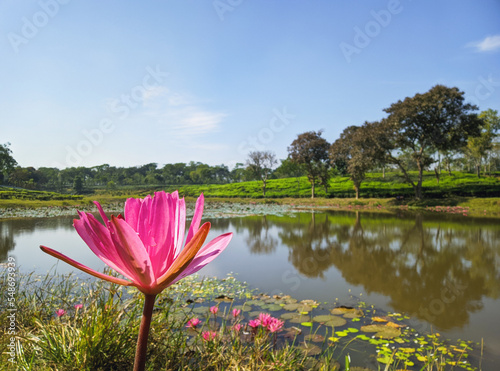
[435, 129]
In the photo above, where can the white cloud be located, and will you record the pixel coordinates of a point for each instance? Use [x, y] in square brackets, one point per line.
[488, 44]
[179, 112]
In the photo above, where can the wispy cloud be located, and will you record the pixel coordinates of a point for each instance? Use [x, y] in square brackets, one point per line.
[180, 113]
[488, 44]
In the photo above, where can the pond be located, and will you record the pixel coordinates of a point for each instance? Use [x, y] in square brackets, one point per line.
[442, 270]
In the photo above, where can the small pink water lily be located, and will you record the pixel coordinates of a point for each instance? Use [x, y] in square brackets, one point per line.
[254, 323]
[214, 309]
[60, 312]
[237, 327]
[236, 312]
[265, 319]
[275, 325]
[146, 247]
[209, 335]
[193, 322]
[78, 306]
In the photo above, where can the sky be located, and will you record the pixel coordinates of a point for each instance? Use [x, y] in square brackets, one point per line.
[126, 83]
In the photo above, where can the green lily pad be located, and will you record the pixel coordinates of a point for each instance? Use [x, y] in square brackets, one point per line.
[201, 310]
[300, 319]
[309, 349]
[307, 324]
[336, 322]
[287, 316]
[363, 337]
[315, 338]
[383, 331]
[354, 314]
[292, 306]
[273, 307]
[323, 318]
[341, 333]
[255, 313]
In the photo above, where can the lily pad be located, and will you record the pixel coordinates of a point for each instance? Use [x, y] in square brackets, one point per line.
[348, 312]
[309, 349]
[304, 308]
[287, 316]
[323, 318]
[273, 307]
[354, 314]
[255, 313]
[341, 310]
[383, 331]
[200, 310]
[336, 322]
[300, 319]
[291, 307]
[315, 338]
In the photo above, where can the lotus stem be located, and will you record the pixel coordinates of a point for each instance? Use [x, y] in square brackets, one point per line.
[142, 339]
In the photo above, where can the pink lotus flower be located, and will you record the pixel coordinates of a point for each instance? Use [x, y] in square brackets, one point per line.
[254, 323]
[145, 245]
[78, 306]
[237, 327]
[209, 335]
[214, 309]
[193, 322]
[60, 312]
[236, 312]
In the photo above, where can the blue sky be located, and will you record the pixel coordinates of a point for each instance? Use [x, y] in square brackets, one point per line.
[127, 83]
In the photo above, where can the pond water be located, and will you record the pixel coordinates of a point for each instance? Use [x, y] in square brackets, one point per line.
[442, 270]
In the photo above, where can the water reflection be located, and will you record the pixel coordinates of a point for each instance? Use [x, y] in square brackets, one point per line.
[437, 269]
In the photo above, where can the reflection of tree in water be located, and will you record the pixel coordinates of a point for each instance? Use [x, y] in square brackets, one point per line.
[6, 240]
[9, 229]
[260, 238]
[437, 269]
[309, 239]
[437, 273]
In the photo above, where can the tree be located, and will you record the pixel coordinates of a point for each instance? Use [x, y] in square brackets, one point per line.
[437, 120]
[478, 147]
[261, 164]
[78, 185]
[356, 151]
[311, 151]
[7, 162]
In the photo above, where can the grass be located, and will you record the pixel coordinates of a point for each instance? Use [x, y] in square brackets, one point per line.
[99, 327]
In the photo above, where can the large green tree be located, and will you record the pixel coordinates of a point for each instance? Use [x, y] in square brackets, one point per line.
[7, 162]
[438, 120]
[311, 151]
[356, 151]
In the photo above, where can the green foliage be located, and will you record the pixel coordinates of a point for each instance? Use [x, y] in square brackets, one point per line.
[7, 193]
